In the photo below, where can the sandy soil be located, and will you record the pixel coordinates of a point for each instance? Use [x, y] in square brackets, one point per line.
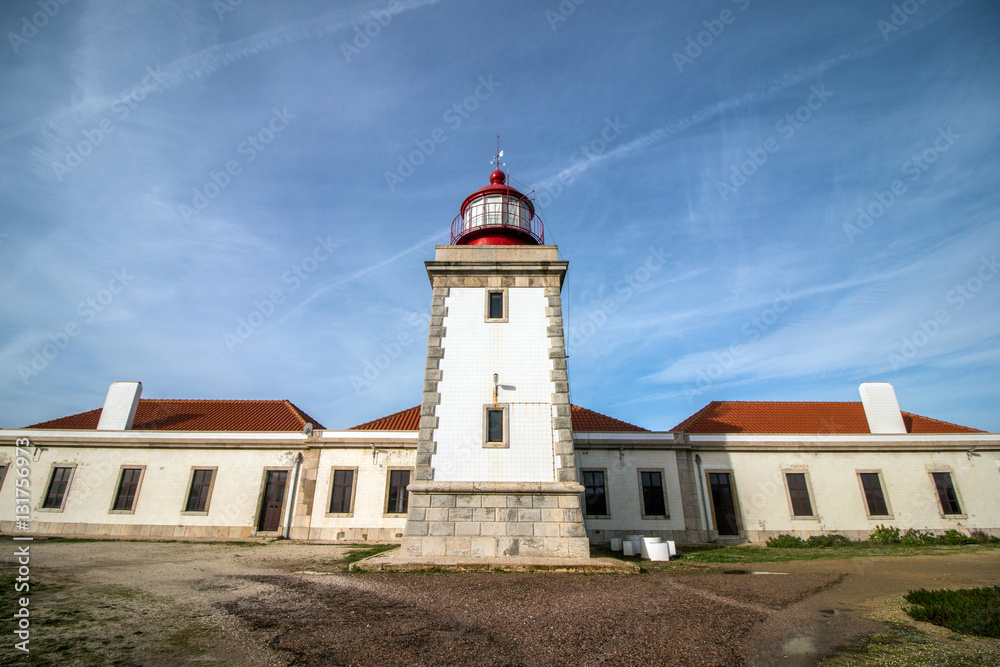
[174, 603]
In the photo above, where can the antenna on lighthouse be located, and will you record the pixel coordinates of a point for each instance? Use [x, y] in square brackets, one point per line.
[496, 159]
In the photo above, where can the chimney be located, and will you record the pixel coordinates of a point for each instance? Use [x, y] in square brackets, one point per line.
[120, 406]
[881, 408]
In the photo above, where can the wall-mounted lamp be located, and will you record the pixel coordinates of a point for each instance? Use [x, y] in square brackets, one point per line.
[496, 388]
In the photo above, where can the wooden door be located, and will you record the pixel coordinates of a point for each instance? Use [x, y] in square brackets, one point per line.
[723, 503]
[274, 495]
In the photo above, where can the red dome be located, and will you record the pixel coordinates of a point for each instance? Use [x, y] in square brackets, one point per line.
[497, 214]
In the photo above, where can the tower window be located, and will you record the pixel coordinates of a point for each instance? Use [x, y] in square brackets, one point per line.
[496, 426]
[496, 305]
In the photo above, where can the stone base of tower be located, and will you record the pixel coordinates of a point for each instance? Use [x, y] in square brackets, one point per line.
[495, 520]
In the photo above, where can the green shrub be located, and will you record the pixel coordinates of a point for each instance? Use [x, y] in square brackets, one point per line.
[784, 541]
[832, 540]
[914, 536]
[974, 611]
[885, 535]
[954, 537]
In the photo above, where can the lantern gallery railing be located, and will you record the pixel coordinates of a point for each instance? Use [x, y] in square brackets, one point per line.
[497, 211]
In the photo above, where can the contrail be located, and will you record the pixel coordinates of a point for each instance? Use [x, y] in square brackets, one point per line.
[787, 81]
[213, 58]
[360, 273]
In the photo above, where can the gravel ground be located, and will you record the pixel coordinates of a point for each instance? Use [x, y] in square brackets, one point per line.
[155, 603]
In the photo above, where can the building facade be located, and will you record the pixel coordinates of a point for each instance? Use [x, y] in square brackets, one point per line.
[495, 461]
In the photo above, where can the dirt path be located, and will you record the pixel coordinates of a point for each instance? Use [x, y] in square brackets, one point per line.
[156, 603]
[870, 592]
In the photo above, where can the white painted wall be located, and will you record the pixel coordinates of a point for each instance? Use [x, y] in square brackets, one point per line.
[518, 351]
[836, 495]
[624, 491]
[165, 484]
[371, 483]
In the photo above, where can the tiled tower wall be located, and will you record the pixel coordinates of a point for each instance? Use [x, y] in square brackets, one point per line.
[471, 500]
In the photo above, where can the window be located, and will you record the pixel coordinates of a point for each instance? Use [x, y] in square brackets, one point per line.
[201, 490]
[3, 474]
[342, 492]
[654, 503]
[496, 425]
[58, 486]
[496, 305]
[946, 493]
[595, 498]
[798, 493]
[871, 485]
[128, 489]
[398, 497]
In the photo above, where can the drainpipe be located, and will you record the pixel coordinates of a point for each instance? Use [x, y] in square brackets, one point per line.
[704, 504]
[291, 503]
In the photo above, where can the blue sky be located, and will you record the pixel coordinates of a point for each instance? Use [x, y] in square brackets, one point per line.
[758, 201]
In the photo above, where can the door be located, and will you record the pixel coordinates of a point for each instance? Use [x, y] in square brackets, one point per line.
[274, 494]
[723, 503]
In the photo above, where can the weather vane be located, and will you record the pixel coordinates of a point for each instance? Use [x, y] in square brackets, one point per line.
[496, 159]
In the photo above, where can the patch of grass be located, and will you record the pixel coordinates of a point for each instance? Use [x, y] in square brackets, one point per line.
[709, 554]
[972, 611]
[903, 644]
[365, 551]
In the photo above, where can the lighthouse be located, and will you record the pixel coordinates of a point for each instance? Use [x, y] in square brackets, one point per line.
[495, 475]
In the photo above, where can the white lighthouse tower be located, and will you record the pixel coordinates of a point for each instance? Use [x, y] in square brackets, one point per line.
[495, 475]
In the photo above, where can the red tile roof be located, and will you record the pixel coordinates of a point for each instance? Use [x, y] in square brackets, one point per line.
[588, 421]
[584, 420]
[404, 420]
[155, 414]
[807, 417]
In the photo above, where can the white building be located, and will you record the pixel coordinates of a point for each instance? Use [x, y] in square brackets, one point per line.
[495, 461]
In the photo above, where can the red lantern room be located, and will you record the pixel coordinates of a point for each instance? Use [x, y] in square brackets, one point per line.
[497, 215]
